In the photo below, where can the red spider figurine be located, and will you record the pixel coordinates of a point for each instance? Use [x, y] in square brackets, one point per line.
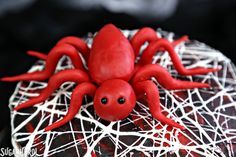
[112, 78]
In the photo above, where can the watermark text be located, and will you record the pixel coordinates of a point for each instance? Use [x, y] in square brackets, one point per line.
[17, 152]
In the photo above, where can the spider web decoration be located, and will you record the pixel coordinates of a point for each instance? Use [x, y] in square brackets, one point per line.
[208, 115]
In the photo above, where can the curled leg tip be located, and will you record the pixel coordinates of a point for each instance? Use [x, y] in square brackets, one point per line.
[19, 107]
[203, 85]
[177, 125]
[217, 69]
[47, 129]
[198, 71]
[6, 79]
[182, 127]
[184, 38]
[199, 85]
[50, 127]
[163, 119]
[16, 108]
[187, 85]
[208, 70]
[37, 76]
[11, 79]
[37, 54]
[180, 40]
[24, 105]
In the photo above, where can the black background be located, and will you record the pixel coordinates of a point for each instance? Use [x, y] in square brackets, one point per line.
[39, 26]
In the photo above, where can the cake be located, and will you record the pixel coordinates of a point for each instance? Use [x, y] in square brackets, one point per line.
[207, 114]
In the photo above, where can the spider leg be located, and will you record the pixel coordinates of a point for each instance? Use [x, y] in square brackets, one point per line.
[148, 34]
[152, 95]
[180, 40]
[164, 78]
[78, 43]
[82, 89]
[153, 47]
[145, 34]
[37, 54]
[72, 75]
[52, 59]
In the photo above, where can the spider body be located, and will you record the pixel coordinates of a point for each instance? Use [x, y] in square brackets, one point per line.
[111, 56]
[112, 78]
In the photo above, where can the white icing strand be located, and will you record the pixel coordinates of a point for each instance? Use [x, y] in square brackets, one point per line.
[210, 131]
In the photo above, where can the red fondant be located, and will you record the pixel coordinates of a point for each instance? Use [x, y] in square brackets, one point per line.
[79, 92]
[152, 48]
[111, 56]
[55, 82]
[164, 78]
[111, 66]
[113, 90]
[37, 54]
[149, 35]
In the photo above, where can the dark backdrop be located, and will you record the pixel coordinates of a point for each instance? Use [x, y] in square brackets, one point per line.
[41, 23]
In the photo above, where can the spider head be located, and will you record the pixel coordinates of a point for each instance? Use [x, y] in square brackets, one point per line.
[114, 100]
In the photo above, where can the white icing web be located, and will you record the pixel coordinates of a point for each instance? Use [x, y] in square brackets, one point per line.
[207, 114]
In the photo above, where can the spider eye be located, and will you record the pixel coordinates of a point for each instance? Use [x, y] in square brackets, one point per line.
[104, 100]
[121, 100]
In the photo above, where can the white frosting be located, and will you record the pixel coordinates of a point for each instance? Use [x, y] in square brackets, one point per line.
[217, 133]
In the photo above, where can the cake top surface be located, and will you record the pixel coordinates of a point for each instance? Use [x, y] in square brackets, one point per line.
[207, 114]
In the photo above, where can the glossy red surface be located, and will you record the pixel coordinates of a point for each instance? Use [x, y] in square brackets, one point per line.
[112, 75]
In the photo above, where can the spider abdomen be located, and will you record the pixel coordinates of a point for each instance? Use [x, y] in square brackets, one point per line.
[111, 56]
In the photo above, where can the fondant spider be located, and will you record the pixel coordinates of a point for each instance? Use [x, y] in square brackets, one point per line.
[112, 77]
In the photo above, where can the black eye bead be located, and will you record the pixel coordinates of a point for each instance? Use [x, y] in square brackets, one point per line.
[104, 100]
[121, 100]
